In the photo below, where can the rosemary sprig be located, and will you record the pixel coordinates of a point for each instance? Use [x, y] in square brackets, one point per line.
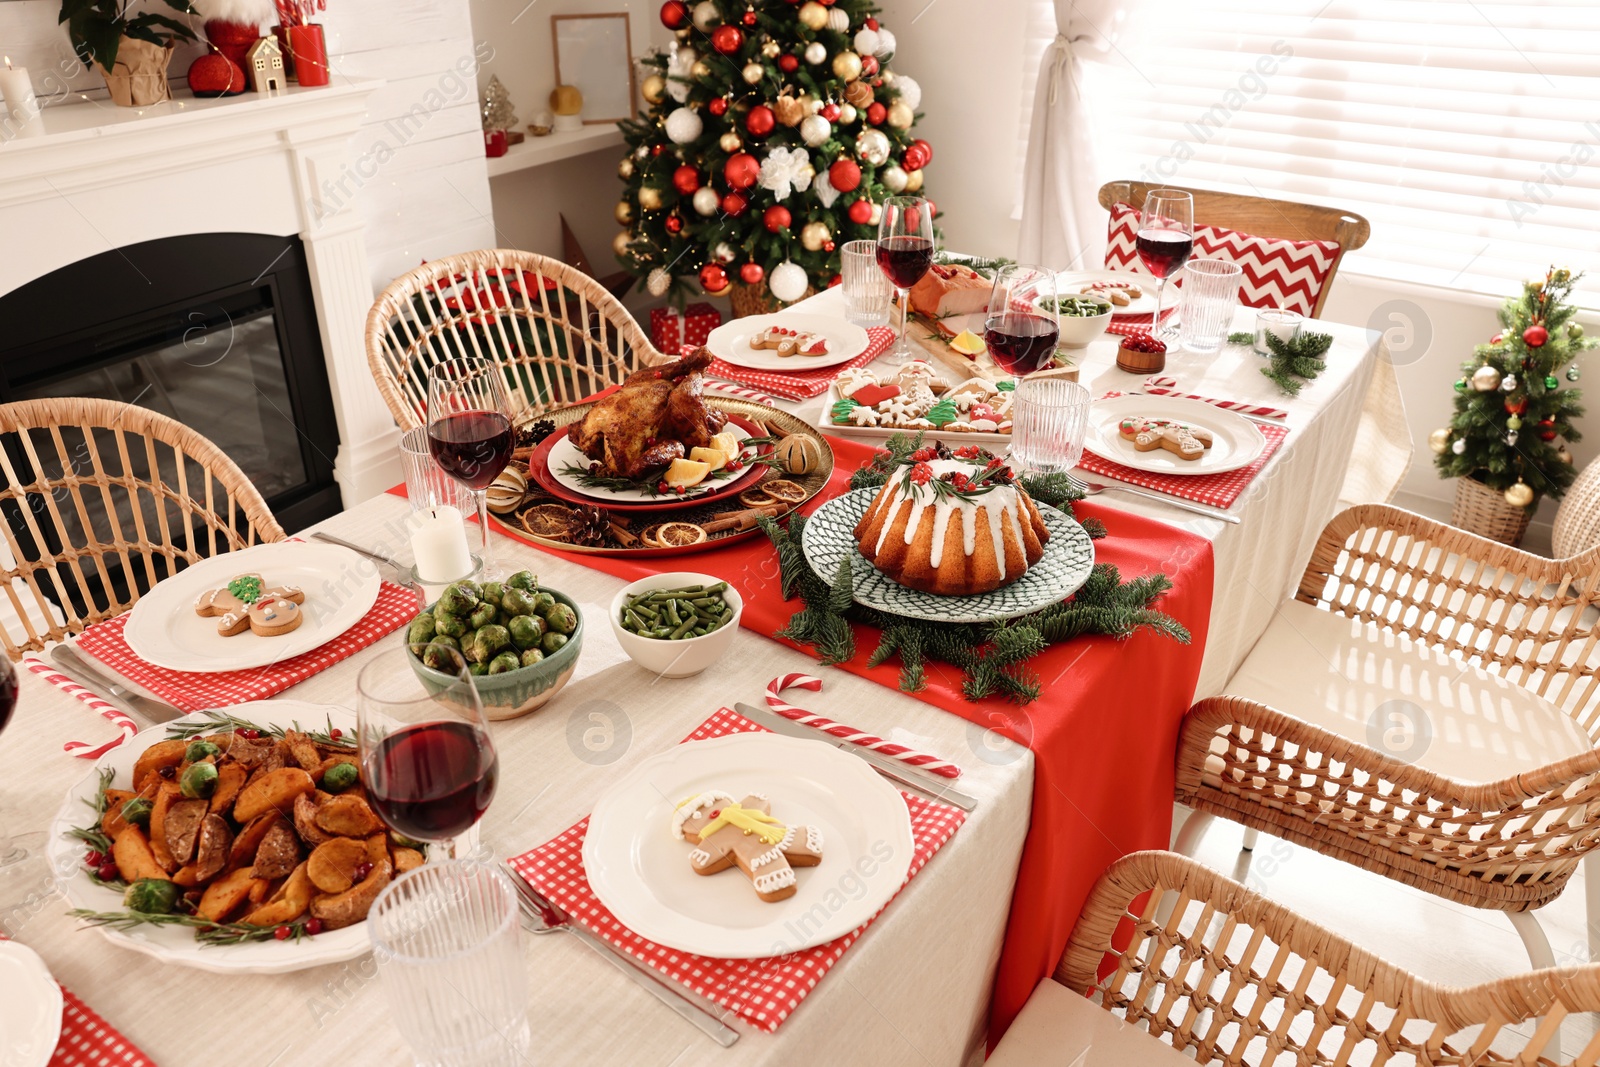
[650, 485]
[214, 721]
[206, 931]
[92, 835]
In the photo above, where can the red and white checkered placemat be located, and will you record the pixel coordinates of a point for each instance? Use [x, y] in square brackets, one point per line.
[1216, 490]
[805, 384]
[1131, 324]
[190, 691]
[762, 992]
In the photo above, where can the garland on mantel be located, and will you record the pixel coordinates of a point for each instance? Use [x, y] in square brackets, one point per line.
[992, 656]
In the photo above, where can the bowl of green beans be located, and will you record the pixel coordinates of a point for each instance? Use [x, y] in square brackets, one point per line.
[677, 624]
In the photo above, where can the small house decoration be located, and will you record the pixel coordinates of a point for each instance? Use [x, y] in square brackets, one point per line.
[266, 65]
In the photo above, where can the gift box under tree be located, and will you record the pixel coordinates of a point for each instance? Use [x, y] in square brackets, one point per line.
[670, 329]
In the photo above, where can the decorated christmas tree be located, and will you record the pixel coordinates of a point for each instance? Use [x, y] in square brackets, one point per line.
[774, 133]
[1513, 417]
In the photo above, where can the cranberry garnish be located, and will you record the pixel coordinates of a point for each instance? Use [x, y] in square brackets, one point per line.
[107, 873]
[94, 857]
[167, 772]
[313, 927]
[282, 933]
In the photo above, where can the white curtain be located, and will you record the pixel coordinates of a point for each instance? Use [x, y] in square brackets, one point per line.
[1062, 223]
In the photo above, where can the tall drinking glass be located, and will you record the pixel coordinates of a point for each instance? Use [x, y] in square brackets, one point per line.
[1049, 417]
[469, 429]
[427, 484]
[866, 290]
[427, 759]
[1023, 324]
[1165, 242]
[446, 940]
[905, 252]
[1210, 292]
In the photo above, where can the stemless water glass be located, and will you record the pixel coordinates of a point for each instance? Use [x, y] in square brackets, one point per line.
[905, 252]
[448, 948]
[1165, 241]
[469, 430]
[426, 755]
[1023, 323]
[866, 289]
[1210, 291]
[427, 484]
[1049, 417]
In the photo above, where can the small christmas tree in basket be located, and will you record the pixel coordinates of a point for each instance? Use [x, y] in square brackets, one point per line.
[1507, 441]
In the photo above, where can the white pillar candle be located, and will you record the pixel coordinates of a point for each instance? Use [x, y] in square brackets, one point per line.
[17, 89]
[439, 545]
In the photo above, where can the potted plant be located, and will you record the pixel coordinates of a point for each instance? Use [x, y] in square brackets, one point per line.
[132, 51]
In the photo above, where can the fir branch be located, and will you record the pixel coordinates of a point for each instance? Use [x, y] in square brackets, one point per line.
[1300, 358]
[1094, 528]
[1243, 337]
[1058, 490]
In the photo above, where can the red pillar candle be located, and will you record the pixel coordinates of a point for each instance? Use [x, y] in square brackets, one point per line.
[310, 51]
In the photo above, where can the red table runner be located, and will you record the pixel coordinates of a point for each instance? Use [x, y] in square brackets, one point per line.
[1103, 731]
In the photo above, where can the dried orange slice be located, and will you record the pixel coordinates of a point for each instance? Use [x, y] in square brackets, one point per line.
[755, 498]
[783, 490]
[679, 534]
[648, 535]
[552, 521]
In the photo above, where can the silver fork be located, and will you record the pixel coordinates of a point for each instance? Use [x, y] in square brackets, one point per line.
[1096, 488]
[544, 917]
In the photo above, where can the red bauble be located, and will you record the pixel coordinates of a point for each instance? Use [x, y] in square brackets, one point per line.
[1535, 336]
[760, 121]
[751, 274]
[876, 113]
[788, 63]
[1497, 338]
[734, 205]
[830, 112]
[1517, 407]
[926, 149]
[656, 150]
[1547, 429]
[844, 175]
[869, 66]
[835, 280]
[686, 179]
[718, 105]
[827, 246]
[713, 279]
[872, 23]
[727, 39]
[777, 218]
[749, 18]
[214, 74]
[861, 211]
[933, 209]
[674, 14]
[741, 170]
[674, 223]
[914, 158]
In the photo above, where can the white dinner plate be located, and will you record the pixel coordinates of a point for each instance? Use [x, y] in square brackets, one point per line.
[565, 454]
[641, 871]
[30, 1010]
[340, 588]
[176, 944]
[1068, 284]
[731, 341]
[1236, 441]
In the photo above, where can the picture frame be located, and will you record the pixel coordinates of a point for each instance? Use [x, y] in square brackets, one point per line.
[595, 54]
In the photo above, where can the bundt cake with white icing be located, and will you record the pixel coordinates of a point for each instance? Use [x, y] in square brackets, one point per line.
[952, 522]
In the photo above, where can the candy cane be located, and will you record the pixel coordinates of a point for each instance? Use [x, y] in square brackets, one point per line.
[849, 733]
[731, 389]
[82, 749]
[1166, 386]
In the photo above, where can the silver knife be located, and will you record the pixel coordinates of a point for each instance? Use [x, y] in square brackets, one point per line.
[378, 557]
[891, 769]
[76, 666]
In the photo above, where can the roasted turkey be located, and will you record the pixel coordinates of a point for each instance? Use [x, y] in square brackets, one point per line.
[656, 417]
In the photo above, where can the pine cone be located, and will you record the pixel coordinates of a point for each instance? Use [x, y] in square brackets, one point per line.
[589, 526]
[529, 436]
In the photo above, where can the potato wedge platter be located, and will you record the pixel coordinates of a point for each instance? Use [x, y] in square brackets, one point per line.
[236, 842]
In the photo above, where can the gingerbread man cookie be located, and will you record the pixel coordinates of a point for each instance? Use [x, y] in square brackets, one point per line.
[728, 833]
[1184, 441]
[789, 342]
[246, 603]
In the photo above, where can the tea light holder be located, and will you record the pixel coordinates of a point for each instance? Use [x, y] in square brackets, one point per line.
[1284, 325]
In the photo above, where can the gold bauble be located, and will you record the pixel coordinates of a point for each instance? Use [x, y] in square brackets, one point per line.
[619, 243]
[625, 168]
[1439, 441]
[810, 104]
[701, 70]
[847, 65]
[654, 88]
[1564, 456]
[649, 198]
[913, 181]
[1486, 379]
[753, 73]
[812, 15]
[624, 213]
[770, 49]
[900, 116]
[566, 100]
[729, 142]
[1519, 495]
[814, 235]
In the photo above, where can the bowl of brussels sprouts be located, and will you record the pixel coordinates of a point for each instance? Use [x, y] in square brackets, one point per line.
[521, 642]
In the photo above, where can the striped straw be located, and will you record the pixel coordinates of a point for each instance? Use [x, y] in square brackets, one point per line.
[1166, 386]
[82, 749]
[849, 733]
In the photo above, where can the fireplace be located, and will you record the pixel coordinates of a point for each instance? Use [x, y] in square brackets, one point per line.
[218, 331]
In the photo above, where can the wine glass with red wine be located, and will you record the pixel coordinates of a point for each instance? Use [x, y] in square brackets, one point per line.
[1165, 242]
[905, 252]
[1023, 324]
[427, 759]
[469, 432]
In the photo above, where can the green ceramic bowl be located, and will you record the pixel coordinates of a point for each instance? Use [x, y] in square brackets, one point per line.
[505, 696]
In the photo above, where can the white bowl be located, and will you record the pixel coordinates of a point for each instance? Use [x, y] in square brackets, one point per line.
[1079, 330]
[675, 659]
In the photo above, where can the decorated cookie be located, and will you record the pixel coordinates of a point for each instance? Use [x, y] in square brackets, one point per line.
[727, 833]
[849, 381]
[275, 615]
[843, 409]
[248, 603]
[1185, 442]
[873, 395]
[789, 342]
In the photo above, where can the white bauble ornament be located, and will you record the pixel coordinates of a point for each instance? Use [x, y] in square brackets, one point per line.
[1458, 446]
[866, 41]
[1439, 440]
[1511, 437]
[910, 91]
[814, 235]
[886, 43]
[787, 281]
[872, 146]
[848, 114]
[680, 66]
[1485, 379]
[815, 130]
[1508, 383]
[706, 200]
[705, 15]
[894, 177]
[658, 282]
[816, 52]
[838, 21]
[683, 125]
[877, 214]
[730, 143]
[771, 49]
[753, 73]
[723, 253]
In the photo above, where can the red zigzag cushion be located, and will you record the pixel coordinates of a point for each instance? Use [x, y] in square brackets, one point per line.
[1277, 272]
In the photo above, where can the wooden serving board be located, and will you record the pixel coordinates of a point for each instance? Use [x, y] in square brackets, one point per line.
[934, 338]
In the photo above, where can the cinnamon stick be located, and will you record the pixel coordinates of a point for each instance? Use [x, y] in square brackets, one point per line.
[624, 538]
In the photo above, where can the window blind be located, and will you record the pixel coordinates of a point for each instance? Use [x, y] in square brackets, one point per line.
[1468, 133]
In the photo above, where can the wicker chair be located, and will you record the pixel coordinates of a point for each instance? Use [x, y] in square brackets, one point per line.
[558, 332]
[1424, 708]
[102, 500]
[1231, 977]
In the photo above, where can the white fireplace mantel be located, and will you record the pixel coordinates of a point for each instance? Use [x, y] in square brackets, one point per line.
[82, 179]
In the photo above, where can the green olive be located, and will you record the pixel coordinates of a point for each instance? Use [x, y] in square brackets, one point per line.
[527, 581]
[552, 642]
[505, 661]
[199, 750]
[483, 614]
[339, 777]
[530, 656]
[562, 619]
[199, 781]
[517, 602]
[526, 630]
[492, 639]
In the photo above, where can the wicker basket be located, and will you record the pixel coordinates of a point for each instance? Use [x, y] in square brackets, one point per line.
[757, 299]
[1484, 511]
[1578, 518]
